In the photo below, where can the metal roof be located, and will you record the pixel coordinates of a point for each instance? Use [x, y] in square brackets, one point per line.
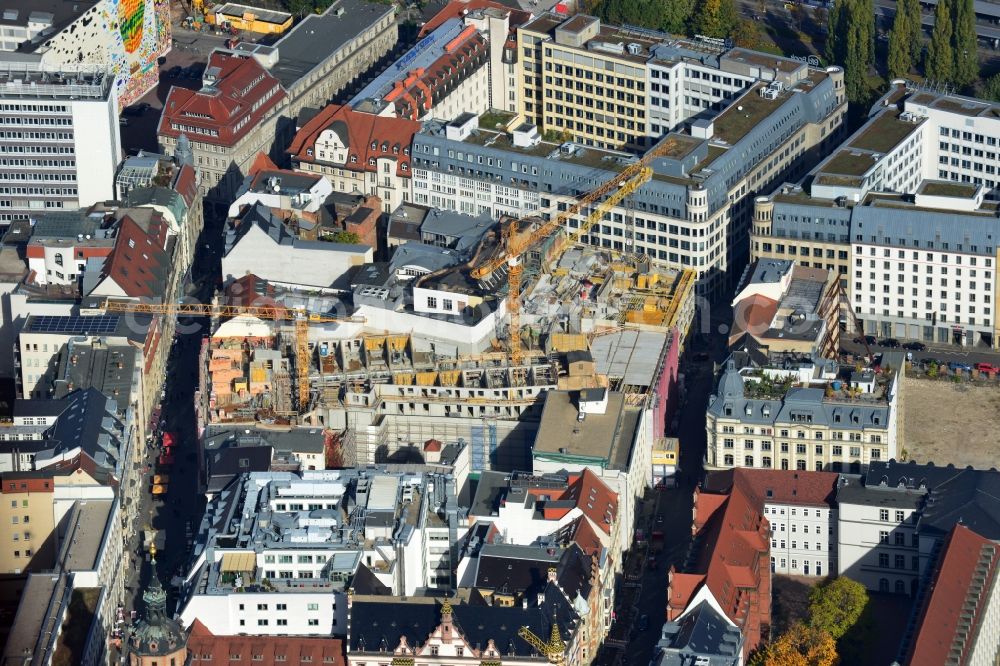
[629, 354]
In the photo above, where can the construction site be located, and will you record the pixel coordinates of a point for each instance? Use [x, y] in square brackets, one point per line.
[577, 316]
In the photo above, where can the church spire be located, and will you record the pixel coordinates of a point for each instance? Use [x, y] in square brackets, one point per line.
[155, 596]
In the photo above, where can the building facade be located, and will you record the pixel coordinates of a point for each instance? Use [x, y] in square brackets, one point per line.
[51, 119]
[695, 211]
[902, 212]
[801, 508]
[358, 152]
[759, 419]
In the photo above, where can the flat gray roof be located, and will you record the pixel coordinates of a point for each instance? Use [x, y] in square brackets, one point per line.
[319, 36]
[31, 613]
[629, 354]
[855, 493]
[86, 534]
[603, 437]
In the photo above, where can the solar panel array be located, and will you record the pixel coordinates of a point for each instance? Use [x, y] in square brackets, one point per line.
[75, 325]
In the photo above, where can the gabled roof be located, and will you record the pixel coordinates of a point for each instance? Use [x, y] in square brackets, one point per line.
[522, 571]
[139, 264]
[731, 560]
[186, 184]
[242, 93]
[960, 588]
[260, 650]
[378, 624]
[954, 495]
[593, 497]
[391, 137]
[769, 486]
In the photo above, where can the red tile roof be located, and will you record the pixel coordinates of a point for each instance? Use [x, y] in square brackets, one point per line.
[937, 633]
[770, 486]
[139, 264]
[262, 650]
[733, 561]
[586, 537]
[457, 8]
[415, 94]
[241, 95]
[594, 499]
[391, 136]
[261, 163]
[186, 184]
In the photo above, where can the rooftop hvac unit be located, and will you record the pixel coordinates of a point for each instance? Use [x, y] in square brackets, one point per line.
[634, 49]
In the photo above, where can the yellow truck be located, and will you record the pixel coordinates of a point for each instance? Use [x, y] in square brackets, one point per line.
[159, 490]
[161, 479]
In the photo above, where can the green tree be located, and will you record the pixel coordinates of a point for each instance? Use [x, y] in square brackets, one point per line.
[964, 43]
[747, 34]
[299, 7]
[836, 28]
[940, 63]
[905, 33]
[348, 237]
[675, 16]
[836, 606]
[915, 25]
[991, 89]
[801, 645]
[851, 43]
[715, 18]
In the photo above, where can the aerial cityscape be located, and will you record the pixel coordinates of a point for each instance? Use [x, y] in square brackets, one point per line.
[499, 332]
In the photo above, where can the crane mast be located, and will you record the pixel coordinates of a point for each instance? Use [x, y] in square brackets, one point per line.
[302, 319]
[516, 244]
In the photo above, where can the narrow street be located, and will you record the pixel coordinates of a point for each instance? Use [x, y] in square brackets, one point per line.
[175, 516]
[643, 591]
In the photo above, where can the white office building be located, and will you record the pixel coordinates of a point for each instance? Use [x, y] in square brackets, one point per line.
[59, 138]
[277, 551]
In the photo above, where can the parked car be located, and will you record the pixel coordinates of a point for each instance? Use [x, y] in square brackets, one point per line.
[915, 346]
[123, 122]
[891, 343]
[870, 339]
[958, 366]
[929, 361]
[987, 367]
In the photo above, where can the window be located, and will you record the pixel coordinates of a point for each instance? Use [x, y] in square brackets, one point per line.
[313, 622]
[899, 538]
[899, 562]
[883, 536]
[432, 302]
[900, 517]
[883, 514]
[883, 559]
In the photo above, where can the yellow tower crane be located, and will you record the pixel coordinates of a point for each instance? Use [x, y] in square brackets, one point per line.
[554, 649]
[516, 244]
[301, 317]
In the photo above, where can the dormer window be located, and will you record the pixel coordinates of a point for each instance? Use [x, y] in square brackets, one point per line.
[309, 151]
[404, 167]
[371, 161]
[354, 158]
[374, 145]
